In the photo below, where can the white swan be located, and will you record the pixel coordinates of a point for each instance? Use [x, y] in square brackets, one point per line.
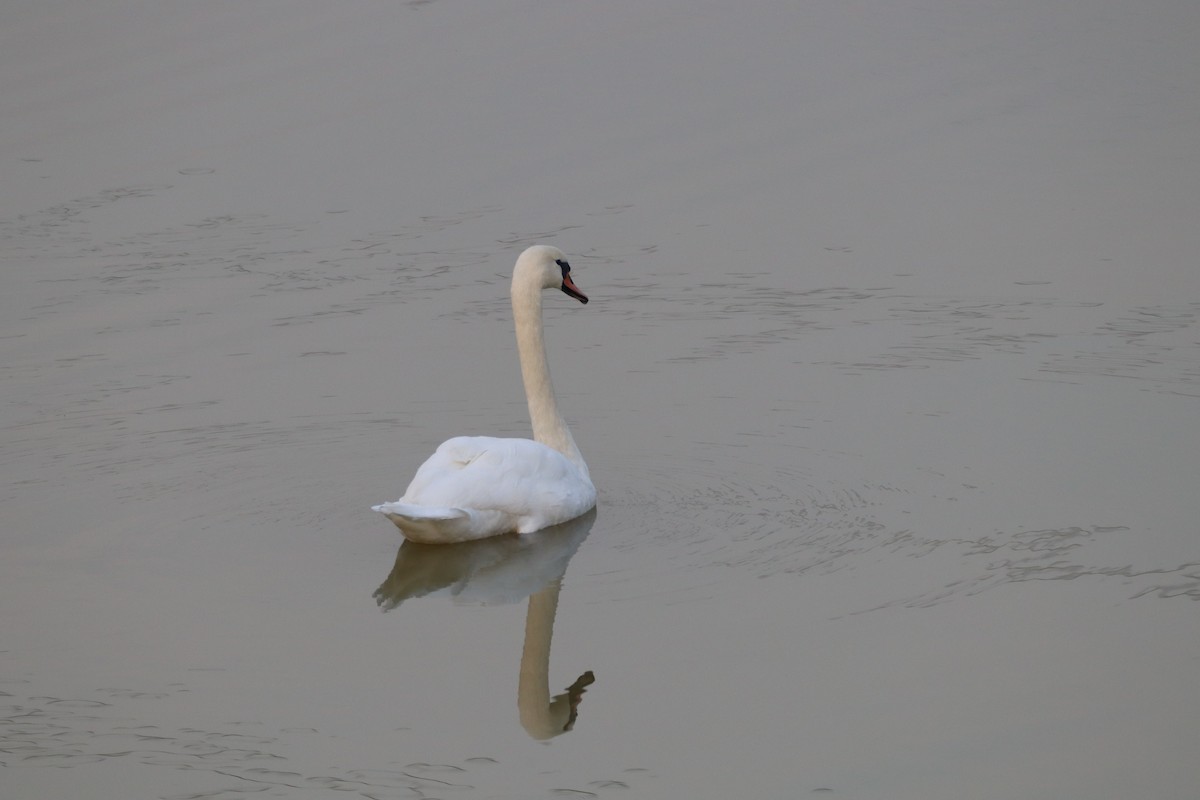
[474, 487]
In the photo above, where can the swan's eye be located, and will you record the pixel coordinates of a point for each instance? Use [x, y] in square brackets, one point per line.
[564, 266]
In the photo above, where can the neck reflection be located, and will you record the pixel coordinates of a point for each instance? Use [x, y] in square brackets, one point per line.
[499, 571]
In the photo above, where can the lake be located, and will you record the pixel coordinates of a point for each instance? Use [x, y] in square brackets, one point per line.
[889, 385]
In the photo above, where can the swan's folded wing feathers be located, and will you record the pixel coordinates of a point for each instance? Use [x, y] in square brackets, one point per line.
[479, 483]
[452, 456]
[485, 472]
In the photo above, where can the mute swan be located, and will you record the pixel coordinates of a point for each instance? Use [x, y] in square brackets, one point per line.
[474, 487]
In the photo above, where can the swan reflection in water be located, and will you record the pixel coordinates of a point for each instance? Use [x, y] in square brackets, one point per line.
[499, 571]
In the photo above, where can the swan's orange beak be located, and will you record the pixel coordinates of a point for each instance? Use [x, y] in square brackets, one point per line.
[570, 288]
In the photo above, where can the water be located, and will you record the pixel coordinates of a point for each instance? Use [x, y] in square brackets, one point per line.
[889, 386]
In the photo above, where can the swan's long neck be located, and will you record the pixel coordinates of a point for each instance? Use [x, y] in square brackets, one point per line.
[549, 427]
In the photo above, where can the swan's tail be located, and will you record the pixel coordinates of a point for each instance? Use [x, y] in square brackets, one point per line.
[433, 525]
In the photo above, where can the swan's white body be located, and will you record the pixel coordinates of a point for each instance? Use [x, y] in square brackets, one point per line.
[474, 487]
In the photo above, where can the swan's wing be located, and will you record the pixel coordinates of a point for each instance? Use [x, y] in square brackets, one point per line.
[448, 467]
[519, 478]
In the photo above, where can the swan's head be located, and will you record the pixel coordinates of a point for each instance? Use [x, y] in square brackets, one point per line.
[547, 268]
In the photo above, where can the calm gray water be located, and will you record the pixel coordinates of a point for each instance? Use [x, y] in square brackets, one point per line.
[890, 385]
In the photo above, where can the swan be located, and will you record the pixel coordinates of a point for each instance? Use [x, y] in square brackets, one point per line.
[474, 487]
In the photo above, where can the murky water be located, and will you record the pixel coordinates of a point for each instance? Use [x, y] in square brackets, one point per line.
[891, 403]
